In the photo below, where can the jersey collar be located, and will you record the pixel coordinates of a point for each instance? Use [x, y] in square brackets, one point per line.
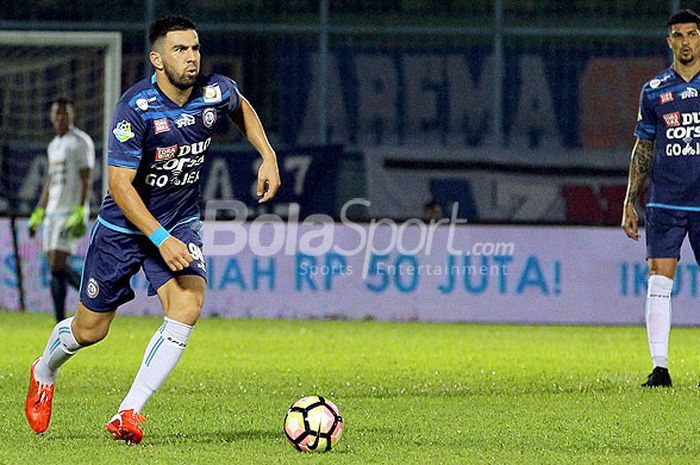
[680, 78]
[196, 91]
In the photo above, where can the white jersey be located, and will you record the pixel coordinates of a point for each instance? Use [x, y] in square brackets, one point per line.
[68, 154]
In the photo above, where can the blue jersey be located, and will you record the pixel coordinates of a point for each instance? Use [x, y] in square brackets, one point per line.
[669, 116]
[166, 145]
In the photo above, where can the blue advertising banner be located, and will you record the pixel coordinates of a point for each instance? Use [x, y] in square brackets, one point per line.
[554, 95]
[409, 271]
[309, 176]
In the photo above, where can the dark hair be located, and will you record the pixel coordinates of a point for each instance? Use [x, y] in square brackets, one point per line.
[430, 204]
[682, 17]
[62, 102]
[160, 27]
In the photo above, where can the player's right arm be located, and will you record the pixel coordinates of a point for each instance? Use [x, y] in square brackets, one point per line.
[173, 251]
[640, 164]
[39, 211]
[44, 199]
[124, 158]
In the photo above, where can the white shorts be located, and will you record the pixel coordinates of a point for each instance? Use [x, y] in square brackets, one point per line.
[55, 236]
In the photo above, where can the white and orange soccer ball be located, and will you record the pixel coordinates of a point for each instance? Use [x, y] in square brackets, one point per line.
[313, 424]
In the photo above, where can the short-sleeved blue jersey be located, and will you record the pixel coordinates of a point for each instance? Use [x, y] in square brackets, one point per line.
[669, 116]
[166, 145]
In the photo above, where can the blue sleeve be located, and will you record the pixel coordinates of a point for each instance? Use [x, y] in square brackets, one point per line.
[232, 96]
[646, 120]
[126, 141]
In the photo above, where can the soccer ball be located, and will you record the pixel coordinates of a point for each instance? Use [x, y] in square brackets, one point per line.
[313, 424]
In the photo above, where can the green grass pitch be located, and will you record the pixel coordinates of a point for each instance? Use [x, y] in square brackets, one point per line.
[409, 393]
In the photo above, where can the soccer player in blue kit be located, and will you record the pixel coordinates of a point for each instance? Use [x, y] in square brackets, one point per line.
[162, 128]
[668, 150]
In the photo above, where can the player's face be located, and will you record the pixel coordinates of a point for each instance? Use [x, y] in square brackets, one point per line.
[180, 57]
[684, 40]
[61, 117]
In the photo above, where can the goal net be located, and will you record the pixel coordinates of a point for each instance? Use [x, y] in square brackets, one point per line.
[37, 67]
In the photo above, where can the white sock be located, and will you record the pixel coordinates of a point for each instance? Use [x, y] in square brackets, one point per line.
[160, 358]
[61, 346]
[658, 318]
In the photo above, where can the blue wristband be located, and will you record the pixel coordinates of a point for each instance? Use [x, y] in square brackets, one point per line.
[158, 236]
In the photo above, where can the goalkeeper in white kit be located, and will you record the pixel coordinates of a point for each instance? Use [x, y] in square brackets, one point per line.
[63, 208]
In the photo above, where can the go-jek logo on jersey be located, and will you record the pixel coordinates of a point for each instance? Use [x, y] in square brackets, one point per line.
[177, 169]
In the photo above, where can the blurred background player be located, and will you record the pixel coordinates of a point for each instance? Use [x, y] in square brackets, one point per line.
[666, 129]
[63, 208]
[162, 129]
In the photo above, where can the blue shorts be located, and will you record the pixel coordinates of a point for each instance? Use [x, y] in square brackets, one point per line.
[666, 229]
[113, 257]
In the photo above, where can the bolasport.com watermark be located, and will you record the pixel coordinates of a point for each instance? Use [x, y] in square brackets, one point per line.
[270, 234]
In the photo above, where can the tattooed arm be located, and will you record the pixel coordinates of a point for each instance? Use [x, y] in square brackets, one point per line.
[639, 169]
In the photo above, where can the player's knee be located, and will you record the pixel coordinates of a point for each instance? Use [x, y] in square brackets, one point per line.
[189, 303]
[187, 315]
[185, 312]
[88, 333]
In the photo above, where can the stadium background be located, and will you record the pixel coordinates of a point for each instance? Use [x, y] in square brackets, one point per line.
[522, 112]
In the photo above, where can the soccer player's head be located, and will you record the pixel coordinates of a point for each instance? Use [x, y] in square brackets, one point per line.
[175, 50]
[684, 36]
[61, 114]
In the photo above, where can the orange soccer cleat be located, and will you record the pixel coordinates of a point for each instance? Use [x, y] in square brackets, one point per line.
[37, 407]
[125, 426]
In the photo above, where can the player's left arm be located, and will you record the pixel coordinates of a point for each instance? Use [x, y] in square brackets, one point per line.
[86, 165]
[84, 159]
[85, 180]
[640, 165]
[247, 121]
[40, 210]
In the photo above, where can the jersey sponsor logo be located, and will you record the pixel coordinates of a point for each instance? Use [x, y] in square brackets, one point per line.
[676, 149]
[209, 117]
[92, 289]
[211, 94]
[185, 119]
[683, 133]
[181, 170]
[672, 119]
[195, 149]
[166, 153]
[682, 130]
[123, 131]
[654, 83]
[142, 103]
[665, 98]
[161, 125]
[689, 92]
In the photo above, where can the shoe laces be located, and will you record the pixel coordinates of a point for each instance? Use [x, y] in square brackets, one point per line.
[131, 416]
[43, 393]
